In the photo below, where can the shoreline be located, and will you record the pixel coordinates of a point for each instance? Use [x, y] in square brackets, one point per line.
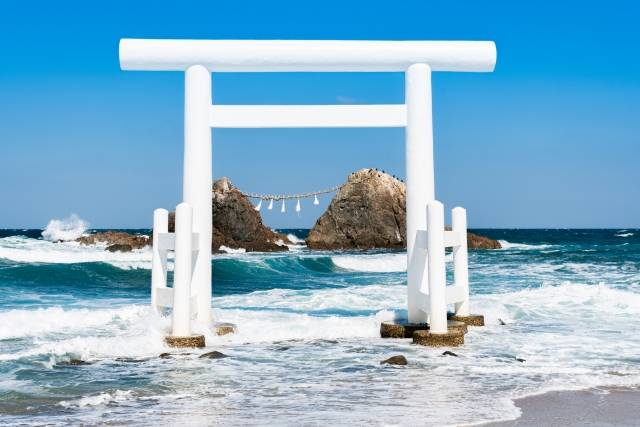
[607, 406]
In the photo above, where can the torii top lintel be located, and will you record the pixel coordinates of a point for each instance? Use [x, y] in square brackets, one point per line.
[305, 55]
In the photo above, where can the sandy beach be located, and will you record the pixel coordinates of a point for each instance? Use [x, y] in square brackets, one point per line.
[596, 407]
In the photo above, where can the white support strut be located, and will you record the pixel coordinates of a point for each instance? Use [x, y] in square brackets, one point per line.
[461, 260]
[159, 257]
[181, 316]
[437, 272]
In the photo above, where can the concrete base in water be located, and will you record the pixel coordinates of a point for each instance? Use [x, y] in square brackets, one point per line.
[471, 320]
[191, 341]
[224, 328]
[401, 329]
[452, 338]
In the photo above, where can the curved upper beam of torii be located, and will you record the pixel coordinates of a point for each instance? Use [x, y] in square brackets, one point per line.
[417, 59]
[305, 55]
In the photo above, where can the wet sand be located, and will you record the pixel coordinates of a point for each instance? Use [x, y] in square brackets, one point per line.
[610, 407]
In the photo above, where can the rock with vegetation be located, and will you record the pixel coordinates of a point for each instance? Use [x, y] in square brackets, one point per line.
[369, 212]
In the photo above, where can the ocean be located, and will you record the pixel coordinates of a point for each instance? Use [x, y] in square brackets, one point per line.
[562, 309]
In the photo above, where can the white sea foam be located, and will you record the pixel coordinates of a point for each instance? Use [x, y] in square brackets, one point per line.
[295, 239]
[378, 263]
[311, 342]
[69, 228]
[25, 250]
[116, 396]
[521, 246]
[624, 234]
[228, 250]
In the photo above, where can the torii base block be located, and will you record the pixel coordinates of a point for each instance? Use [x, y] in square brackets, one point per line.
[451, 338]
[471, 319]
[400, 329]
[190, 341]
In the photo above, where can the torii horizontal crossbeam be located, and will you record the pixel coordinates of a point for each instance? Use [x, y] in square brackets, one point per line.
[307, 116]
[305, 55]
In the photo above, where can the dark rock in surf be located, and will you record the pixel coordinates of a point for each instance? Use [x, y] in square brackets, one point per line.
[449, 353]
[119, 248]
[395, 360]
[73, 362]
[212, 355]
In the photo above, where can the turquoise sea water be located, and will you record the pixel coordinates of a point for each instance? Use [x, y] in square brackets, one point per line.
[307, 350]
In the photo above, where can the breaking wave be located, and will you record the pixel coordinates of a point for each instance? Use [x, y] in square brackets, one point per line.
[521, 246]
[66, 229]
[378, 263]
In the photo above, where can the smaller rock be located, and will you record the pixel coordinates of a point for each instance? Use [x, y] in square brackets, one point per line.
[449, 353]
[520, 360]
[119, 248]
[73, 362]
[395, 360]
[501, 322]
[213, 355]
[224, 328]
[116, 240]
[165, 356]
[130, 360]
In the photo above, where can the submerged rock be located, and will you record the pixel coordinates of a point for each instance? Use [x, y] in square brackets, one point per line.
[73, 362]
[449, 353]
[395, 360]
[369, 211]
[236, 224]
[117, 241]
[119, 248]
[212, 355]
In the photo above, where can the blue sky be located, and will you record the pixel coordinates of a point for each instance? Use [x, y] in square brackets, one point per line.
[550, 139]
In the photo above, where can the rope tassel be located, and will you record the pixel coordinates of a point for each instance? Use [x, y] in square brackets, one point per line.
[298, 207]
[315, 200]
[270, 204]
[258, 206]
[283, 209]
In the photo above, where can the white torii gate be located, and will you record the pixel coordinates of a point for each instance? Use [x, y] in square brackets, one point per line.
[199, 58]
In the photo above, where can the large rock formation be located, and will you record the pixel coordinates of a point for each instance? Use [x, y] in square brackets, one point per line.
[369, 212]
[236, 224]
